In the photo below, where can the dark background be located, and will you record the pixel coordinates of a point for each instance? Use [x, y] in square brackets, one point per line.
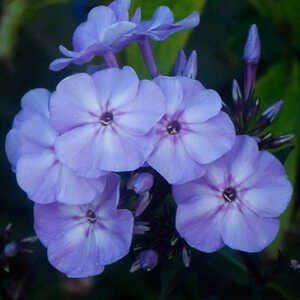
[219, 41]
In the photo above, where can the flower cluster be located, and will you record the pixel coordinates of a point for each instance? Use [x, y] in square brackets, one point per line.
[71, 149]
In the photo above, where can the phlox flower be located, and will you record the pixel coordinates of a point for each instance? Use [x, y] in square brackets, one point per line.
[104, 120]
[82, 239]
[192, 133]
[236, 203]
[106, 30]
[30, 147]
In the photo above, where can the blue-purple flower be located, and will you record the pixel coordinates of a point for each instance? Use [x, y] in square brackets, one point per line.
[82, 239]
[30, 147]
[162, 24]
[192, 133]
[104, 120]
[105, 31]
[236, 203]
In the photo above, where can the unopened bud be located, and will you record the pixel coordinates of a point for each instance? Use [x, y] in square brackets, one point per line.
[252, 49]
[186, 257]
[148, 259]
[294, 264]
[236, 91]
[141, 227]
[268, 116]
[180, 63]
[11, 249]
[141, 182]
[144, 201]
[191, 67]
[271, 112]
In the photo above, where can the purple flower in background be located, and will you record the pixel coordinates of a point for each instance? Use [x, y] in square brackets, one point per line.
[192, 133]
[106, 31]
[104, 120]
[162, 24]
[30, 147]
[82, 239]
[236, 203]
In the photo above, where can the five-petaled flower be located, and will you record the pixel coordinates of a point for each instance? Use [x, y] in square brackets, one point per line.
[236, 203]
[82, 239]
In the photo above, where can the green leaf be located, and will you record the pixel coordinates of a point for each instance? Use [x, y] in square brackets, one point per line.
[166, 51]
[284, 14]
[14, 15]
[282, 82]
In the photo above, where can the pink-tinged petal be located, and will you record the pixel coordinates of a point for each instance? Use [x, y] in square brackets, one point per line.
[162, 15]
[244, 230]
[172, 90]
[74, 103]
[210, 140]
[73, 189]
[173, 162]
[140, 115]
[189, 22]
[117, 32]
[51, 220]
[59, 64]
[242, 158]
[199, 223]
[193, 191]
[120, 8]
[115, 87]
[78, 149]
[37, 175]
[268, 180]
[201, 105]
[37, 101]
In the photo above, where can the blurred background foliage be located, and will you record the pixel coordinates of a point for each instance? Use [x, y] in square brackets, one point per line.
[30, 32]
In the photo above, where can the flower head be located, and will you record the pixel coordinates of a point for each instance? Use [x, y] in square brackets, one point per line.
[82, 239]
[104, 120]
[106, 30]
[30, 147]
[192, 133]
[236, 203]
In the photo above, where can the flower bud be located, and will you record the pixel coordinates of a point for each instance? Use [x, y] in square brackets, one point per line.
[11, 249]
[275, 142]
[268, 116]
[294, 264]
[180, 63]
[141, 227]
[144, 201]
[148, 259]
[191, 67]
[186, 257]
[271, 112]
[141, 182]
[252, 48]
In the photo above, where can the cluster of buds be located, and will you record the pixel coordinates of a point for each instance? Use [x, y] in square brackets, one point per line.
[245, 107]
